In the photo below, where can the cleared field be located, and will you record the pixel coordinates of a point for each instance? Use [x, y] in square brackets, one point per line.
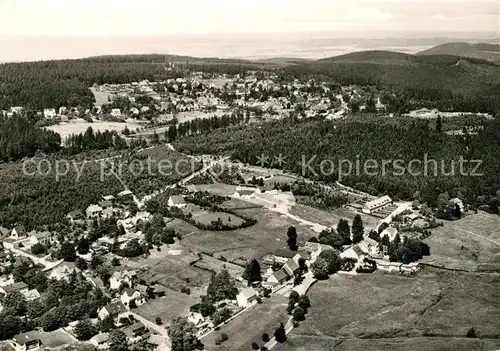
[313, 343]
[471, 243]
[331, 218]
[268, 235]
[249, 326]
[435, 303]
[173, 304]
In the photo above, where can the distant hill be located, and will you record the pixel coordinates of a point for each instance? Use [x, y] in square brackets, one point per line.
[490, 52]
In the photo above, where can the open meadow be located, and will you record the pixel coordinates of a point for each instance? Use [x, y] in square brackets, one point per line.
[471, 243]
[173, 304]
[237, 246]
[249, 326]
[379, 307]
[79, 126]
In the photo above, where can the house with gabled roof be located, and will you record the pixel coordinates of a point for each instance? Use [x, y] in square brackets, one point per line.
[114, 309]
[19, 232]
[246, 296]
[278, 277]
[355, 252]
[176, 201]
[291, 267]
[27, 341]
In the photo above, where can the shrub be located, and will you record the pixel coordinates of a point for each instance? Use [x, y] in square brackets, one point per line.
[265, 337]
[158, 321]
[255, 346]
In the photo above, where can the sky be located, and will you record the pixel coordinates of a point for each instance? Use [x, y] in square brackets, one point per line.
[228, 17]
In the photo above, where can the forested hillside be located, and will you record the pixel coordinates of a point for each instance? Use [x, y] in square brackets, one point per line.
[19, 137]
[362, 141]
[446, 82]
[37, 85]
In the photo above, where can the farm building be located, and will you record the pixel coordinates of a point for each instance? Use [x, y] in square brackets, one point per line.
[391, 232]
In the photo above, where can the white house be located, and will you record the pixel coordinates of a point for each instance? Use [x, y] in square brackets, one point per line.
[43, 238]
[116, 112]
[18, 232]
[118, 278]
[278, 277]
[376, 204]
[134, 111]
[93, 211]
[176, 201]
[128, 295]
[19, 286]
[391, 232]
[49, 112]
[27, 341]
[100, 340]
[456, 202]
[246, 192]
[355, 252]
[246, 296]
[62, 271]
[32, 295]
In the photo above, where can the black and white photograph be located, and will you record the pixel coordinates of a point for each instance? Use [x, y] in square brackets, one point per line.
[226, 175]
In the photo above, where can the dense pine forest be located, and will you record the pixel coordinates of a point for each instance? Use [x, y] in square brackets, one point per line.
[19, 137]
[362, 141]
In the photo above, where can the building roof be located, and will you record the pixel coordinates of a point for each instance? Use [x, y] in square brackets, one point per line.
[15, 287]
[108, 198]
[27, 337]
[76, 214]
[357, 249]
[94, 208]
[370, 242]
[4, 232]
[285, 253]
[378, 202]
[125, 193]
[101, 338]
[177, 199]
[306, 255]
[32, 294]
[280, 274]
[105, 204]
[42, 235]
[115, 308]
[248, 293]
[391, 232]
[292, 265]
[20, 229]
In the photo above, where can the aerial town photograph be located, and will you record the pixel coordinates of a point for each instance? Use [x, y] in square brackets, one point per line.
[219, 175]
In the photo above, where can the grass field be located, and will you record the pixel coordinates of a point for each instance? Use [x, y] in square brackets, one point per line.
[435, 303]
[210, 263]
[80, 126]
[457, 244]
[268, 235]
[173, 304]
[331, 218]
[250, 325]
